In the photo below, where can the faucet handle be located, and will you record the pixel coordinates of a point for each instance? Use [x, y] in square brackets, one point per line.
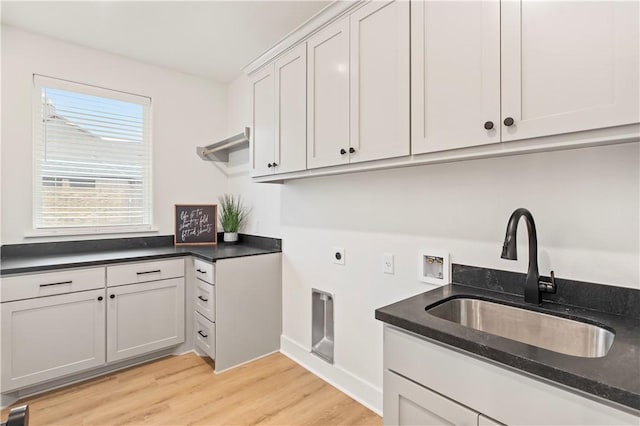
[548, 286]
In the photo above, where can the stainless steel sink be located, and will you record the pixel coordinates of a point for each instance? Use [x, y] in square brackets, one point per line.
[556, 334]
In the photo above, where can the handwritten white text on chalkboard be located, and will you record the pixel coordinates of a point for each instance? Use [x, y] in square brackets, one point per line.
[194, 223]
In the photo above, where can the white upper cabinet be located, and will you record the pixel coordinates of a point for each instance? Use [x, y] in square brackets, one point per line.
[358, 87]
[455, 74]
[379, 81]
[569, 66]
[279, 115]
[487, 71]
[328, 96]
[291, 111]
[263, 135]
[394, 83]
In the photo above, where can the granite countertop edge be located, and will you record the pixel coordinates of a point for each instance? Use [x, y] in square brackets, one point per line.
[515, 355]
[27, 264]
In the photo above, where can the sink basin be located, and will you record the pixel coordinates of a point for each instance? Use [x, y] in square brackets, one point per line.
[556, 334]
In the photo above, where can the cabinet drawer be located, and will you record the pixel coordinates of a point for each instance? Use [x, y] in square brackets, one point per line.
[141, 272]
[205, 335]
[204, 271]
[205, 301]
[50, 283]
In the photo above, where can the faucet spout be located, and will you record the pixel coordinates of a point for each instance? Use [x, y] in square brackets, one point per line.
[509, 251]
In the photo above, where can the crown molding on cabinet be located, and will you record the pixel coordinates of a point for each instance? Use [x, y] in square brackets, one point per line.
[331, 13]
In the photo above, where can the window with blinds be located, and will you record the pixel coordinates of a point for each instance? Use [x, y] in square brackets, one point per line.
[92, 157]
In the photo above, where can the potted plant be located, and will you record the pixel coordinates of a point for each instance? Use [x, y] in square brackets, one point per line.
[232, 216]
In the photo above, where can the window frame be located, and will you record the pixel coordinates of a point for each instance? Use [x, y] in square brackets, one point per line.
[38, 83]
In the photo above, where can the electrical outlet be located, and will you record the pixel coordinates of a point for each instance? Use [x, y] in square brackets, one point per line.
[387, 263]
[337, 254]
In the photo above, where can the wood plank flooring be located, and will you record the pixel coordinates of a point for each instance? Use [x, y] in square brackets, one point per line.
[182, 390]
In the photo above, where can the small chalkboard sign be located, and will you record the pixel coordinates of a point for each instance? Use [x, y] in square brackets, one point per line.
[196, 224]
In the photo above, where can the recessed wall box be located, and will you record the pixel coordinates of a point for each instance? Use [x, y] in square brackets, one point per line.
[434, 267]
[322, 324]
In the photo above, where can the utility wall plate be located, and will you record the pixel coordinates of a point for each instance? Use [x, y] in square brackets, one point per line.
[337, 254]
[434, 267]
[387, 263]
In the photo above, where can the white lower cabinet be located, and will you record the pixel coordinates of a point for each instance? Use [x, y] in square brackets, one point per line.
[144, 317]
[50, 337]
[248, 322]
[407, 403]
[426, 382]
[59, 323]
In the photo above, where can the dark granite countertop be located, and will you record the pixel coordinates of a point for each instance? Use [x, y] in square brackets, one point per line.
[614, 377]
[28, 258]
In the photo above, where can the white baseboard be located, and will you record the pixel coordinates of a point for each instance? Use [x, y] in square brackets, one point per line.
[360, 390]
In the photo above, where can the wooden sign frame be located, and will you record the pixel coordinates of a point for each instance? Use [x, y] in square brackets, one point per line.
[207, 209]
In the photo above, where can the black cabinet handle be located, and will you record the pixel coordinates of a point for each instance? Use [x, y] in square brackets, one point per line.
[202, 334]
[99, 298]
[508, 121]
[60, 283]
[488, 125]
[352, 150]
[149, 272]
[269, 165]
[113, 296]
[203, 299]
[342, 151]
[275, 164]
[201, 271]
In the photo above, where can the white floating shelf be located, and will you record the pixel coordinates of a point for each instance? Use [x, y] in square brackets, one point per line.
[219, 151]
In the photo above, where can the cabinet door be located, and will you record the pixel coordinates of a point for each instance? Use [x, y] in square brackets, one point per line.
[291, 111]
[50, 337]
[328, 96]
[380, 81]
[407, 403]
[262, 137]
[455, 74]
[579, 73]
[144, 317]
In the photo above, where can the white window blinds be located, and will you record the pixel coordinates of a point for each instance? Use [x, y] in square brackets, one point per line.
[92, 157]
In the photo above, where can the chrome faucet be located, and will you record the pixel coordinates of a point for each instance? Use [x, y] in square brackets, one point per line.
[533, 285]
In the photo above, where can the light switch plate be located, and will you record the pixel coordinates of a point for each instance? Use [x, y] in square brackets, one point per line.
[387, 263]
[337, 254]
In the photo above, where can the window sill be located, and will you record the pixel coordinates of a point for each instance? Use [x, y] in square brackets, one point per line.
[67, 232]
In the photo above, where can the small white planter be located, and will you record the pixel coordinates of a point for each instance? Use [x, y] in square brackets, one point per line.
[230, 237]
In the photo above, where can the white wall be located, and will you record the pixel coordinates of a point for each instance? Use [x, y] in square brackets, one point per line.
[585, 203]
[187, 111]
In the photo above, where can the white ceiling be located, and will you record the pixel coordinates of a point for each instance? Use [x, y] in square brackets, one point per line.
[212, 39]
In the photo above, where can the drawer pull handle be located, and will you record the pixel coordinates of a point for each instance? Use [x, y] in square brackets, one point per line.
[113, 296]
[202, 334]
[99, 298]
[60, 283]
[149, 272]
[203, 299]
[201, 271]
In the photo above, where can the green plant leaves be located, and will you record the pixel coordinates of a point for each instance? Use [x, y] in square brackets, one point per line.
[232, 212]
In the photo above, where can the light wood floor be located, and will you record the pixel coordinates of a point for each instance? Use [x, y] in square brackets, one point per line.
[183, 390]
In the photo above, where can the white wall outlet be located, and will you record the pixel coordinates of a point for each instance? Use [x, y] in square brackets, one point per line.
[434, 267]
[337, 254]
[387, 263]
